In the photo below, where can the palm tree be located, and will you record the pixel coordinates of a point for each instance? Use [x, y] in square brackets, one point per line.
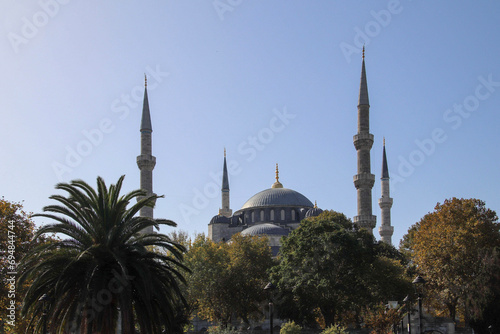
[107, 271]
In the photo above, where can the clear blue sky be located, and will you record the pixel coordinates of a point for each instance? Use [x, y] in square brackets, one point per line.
[219, 71]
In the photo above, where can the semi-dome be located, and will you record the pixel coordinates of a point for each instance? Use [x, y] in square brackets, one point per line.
[267, 229]
[277, 197]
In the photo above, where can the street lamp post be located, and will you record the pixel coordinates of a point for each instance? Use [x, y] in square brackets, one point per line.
[269, 289]
[408, 307]
[44, 298]
[418, 283]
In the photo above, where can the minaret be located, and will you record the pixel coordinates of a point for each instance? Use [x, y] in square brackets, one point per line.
[363, 141]
[225, 211]
[385, 202]
[146, 161]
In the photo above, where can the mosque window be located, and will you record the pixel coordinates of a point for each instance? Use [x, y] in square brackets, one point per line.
[253, 217]
[293, 214]
[272, 215]
[261, 215]
[282, 214]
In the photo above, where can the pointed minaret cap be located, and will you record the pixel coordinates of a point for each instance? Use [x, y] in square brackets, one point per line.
[385, 170]
[225, 180]
[363, 87]
[146, 117]
[277, 184]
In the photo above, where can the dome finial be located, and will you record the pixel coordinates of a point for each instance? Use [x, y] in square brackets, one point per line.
[277, 184]
[315, 205]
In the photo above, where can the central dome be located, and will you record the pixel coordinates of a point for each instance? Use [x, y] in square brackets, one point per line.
[277, 197]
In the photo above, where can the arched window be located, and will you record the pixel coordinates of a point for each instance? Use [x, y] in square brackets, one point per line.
[253, 216]
[293, 214]
[282, 214]
[271, 215]
[261, 215]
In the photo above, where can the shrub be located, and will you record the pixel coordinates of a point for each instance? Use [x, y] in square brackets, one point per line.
[221, 330]
[335, 329]
[290, 328]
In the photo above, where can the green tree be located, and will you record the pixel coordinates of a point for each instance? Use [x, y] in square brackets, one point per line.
[447, 245]
[104, 271]
[16, 238]
[328, 269]
[228, 278]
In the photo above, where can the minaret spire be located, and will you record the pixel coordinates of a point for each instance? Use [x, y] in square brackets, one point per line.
[385, 202]
[146, 161]
[363, 141]
[225, 210]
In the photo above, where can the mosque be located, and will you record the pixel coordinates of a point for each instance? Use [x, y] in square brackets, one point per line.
[276, 211]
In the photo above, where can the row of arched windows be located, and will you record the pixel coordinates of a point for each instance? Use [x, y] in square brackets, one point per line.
[272, 215]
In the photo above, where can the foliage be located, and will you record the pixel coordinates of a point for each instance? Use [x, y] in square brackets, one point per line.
[382, 320]
[327, 264]
[447, 246]
[290, 328]
[104, 270]
[484, 305]
[335, 329]
[222, 330]
[16, 238]
[228, 278]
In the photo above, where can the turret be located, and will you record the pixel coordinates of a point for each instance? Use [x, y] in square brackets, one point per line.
[363, 141]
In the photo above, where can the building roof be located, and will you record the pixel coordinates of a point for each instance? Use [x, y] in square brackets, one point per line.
[220, 219]
[267, 229]
[277, 197]
[313, 212]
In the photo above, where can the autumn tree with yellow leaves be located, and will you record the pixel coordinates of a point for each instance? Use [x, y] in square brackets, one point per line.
[448, 247]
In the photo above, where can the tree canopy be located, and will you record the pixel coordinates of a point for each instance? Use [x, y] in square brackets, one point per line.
[228, 278]
[103, 272]
[451, 248]
[331, 270]
[16, 238]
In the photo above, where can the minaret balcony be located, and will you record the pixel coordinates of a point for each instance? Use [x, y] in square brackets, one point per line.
[385, 202]
[363, 140]
[364, 180]
[146, 162]
[366, 221]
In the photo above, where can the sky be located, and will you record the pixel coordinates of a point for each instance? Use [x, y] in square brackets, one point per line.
[272, 82]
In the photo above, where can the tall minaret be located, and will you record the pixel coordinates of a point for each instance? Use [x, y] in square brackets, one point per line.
[385, 202]
[146, 161]
[363, 141]
[225, 210]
